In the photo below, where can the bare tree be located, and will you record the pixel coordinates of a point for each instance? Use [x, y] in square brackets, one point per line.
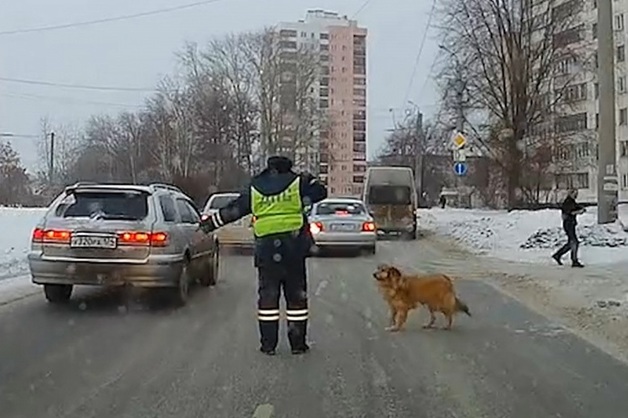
[512, 53]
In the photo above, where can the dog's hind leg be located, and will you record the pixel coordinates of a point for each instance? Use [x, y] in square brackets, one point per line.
[450, 320]
[432, 320]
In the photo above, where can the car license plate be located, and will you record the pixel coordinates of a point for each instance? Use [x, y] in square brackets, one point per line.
[343, 227]
[93, 241]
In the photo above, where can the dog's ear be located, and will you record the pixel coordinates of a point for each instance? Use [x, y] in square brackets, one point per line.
[381, 267]
[394, 271]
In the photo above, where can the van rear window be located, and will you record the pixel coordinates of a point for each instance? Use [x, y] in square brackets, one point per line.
[390, 195]
[105, 205]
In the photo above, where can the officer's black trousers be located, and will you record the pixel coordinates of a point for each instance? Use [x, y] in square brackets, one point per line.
[272, 278]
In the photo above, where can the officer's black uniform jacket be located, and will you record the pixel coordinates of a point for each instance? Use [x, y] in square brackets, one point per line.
[279, 247]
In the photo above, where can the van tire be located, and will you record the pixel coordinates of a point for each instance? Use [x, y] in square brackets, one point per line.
[181, 294]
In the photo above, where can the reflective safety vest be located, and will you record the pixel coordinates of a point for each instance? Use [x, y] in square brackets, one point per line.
[278, 213]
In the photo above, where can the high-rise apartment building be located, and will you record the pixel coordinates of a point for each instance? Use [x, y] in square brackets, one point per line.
[338, 155]
[578, 120]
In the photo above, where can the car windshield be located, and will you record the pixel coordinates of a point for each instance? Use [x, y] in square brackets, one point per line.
[340, 208]
[219, 202]
[106, 205]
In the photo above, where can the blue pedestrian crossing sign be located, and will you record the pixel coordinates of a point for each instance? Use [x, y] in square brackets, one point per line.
[460, 168]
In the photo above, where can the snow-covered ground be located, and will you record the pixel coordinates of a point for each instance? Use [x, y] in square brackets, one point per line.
[516, 249]
[529, 236]
[16, 226]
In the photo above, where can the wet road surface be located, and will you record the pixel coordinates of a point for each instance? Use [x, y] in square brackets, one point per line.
[105, 356]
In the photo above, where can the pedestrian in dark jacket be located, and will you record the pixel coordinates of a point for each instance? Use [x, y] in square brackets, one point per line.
[570, 209]
[277, 198]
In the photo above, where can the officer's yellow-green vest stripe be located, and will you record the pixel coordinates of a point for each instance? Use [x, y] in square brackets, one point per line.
[277, 213]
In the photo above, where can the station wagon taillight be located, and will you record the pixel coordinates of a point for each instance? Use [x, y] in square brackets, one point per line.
[58, 236]
[154, 239]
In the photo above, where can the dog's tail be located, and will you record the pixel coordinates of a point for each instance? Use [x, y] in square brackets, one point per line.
[462, 307]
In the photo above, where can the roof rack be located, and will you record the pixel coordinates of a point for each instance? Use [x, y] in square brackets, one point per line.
[166, 186]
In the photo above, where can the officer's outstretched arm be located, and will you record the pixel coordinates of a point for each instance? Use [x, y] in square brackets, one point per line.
[313, 189]
[236, 209]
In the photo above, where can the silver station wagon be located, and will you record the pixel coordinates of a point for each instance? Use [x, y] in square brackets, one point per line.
[115, 235]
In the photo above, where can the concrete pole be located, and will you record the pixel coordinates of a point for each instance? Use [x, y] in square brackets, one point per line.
[418, 154]
[459, 116]
[52, 158]
[607, 183]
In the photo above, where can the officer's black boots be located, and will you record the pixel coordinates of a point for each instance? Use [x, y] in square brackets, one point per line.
[301, 350]
[267, 351]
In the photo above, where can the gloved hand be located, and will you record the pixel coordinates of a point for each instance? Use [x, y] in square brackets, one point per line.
[207, 225]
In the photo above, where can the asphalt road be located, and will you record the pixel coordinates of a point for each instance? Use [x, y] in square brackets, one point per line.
[106, 357]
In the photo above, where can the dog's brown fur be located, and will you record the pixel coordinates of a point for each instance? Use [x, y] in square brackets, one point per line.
[406, 292]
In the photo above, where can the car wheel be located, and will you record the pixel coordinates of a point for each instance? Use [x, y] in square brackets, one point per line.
[210, 275]
[182, 292]
[58, 293]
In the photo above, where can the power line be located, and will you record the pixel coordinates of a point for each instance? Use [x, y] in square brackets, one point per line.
[75, 86]
[107, 19]
[69, 100]
[418, 56]
[366, 3]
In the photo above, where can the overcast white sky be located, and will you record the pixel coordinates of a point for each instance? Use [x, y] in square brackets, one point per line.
[136, 53]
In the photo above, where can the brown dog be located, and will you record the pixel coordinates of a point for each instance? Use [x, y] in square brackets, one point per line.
[404, 293]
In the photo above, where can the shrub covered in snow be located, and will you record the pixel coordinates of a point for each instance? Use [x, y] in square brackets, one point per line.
[589, 235]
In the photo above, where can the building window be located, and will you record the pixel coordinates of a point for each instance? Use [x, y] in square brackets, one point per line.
[623, 148]
[621, 84]
[287, 33]
[624, 181]
[358, 179]
[288, 45]
[325, 58]
[359, 137]
[568, 37]
[565, 65]
[596, 90]
[324, 81]
[324, 35]
[359, 168]
[623, 116]
[594, 30]
[359, 70]
[359, 126]
[359, 102]
[359, 115]
[621, 53]
[597, 121]
[359, 92]
[359, 147]
[575, 92]
[324, 47]
[324, 92]
[619, 22]
[324, 169]
[571, 123]
[573, 181]
[359, 81]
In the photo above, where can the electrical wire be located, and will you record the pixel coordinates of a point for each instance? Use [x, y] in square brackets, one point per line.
[362, 7]
[75, 86]
[67, 100]
[418, 56]
[108, 19]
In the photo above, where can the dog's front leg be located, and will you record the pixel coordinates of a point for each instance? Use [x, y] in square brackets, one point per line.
[393, 315]
[399, 321]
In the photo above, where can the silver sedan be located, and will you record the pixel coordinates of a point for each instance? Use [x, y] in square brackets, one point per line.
[342, 223]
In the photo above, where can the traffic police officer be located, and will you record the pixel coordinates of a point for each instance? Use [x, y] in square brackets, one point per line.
[276, 198]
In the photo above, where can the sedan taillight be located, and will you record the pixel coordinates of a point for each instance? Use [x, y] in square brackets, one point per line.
[368, 227]
[53, 236]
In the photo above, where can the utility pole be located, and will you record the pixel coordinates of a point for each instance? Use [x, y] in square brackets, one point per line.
[419, 153]
[607, 182]
[52, 158]
[459, 115]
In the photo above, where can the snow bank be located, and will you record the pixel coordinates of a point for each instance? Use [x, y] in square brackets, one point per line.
[528, 236]
[16, 225]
